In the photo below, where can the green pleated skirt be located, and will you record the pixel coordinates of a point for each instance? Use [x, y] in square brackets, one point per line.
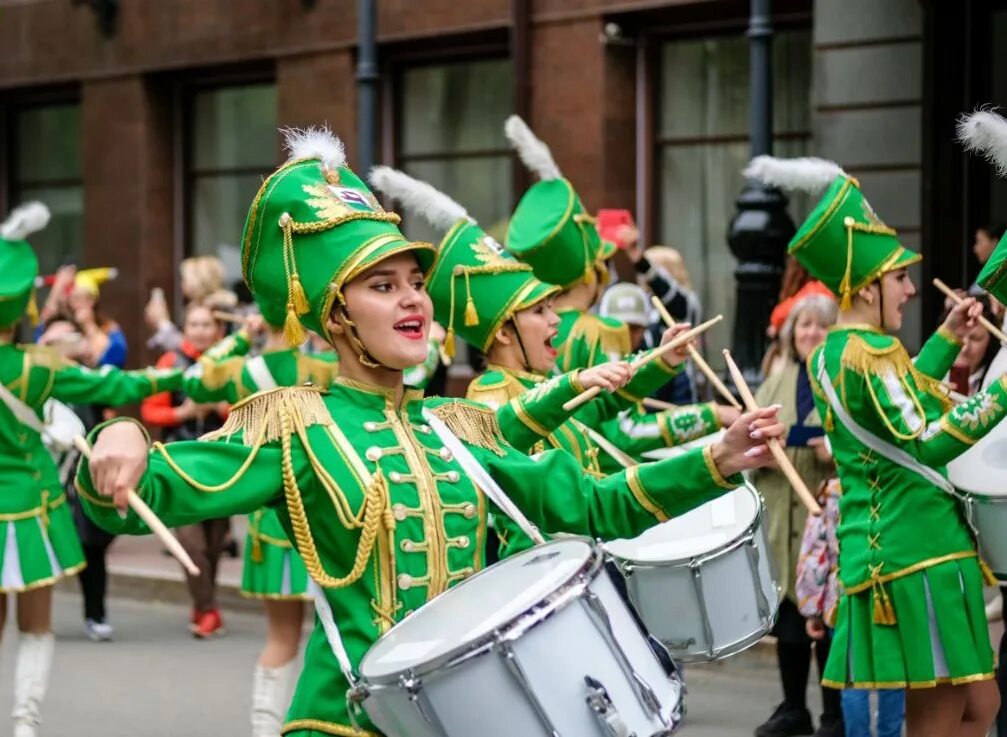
[940, 634]
[272, 567]
[38, 547]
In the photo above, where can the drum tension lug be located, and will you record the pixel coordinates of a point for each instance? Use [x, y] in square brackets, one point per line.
[600, 704]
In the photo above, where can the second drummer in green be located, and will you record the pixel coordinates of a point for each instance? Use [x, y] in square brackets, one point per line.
[912, 614]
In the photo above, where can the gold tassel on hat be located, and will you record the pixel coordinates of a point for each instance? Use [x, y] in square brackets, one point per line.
[449, 343]
[293, 331]
[32, 309]
[297, 295]
[471, 316]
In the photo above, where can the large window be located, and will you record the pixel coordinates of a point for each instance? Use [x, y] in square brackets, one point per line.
[232, 145]
[46, 159]
[450, 133]
[703, 145]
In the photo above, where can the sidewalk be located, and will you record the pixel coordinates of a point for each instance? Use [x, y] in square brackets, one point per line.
[139, 569]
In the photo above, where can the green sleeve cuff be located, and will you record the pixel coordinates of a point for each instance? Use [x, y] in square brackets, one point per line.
[938, 354]
[948, 336]
[540, 409]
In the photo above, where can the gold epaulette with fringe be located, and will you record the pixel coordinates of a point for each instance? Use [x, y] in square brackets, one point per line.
[46, 357]
[475, 425]
[219, 373]
[260, 417]
[495, 394]
[867, 360]
[597, 332]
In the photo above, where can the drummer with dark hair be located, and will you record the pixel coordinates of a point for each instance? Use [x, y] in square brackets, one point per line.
[39, 543]
[383, 512]
[912, 614]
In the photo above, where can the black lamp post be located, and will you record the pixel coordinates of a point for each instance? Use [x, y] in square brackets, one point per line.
[759, 232]
[367, 85]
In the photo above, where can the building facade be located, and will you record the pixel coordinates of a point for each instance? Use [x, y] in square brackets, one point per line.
[148, 132]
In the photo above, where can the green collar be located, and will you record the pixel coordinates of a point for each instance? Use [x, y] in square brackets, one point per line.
[373, 396]
[859, 326]
[525, 377]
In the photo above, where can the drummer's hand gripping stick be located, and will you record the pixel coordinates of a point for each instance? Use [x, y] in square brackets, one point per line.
[150, 519]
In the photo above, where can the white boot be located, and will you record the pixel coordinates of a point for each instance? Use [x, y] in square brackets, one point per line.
[270, 698]
[31, 678]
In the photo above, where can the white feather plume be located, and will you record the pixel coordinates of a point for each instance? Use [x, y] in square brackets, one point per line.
[806, 174]
[314, 142]
[533, 152]
[985, 132]
[24, 220]
[418, 197]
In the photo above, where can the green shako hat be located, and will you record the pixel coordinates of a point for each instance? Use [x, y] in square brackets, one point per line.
[313, 226]
[985, 132]
[842, 242]
[551, 229]
[18, 263]
[476, 286]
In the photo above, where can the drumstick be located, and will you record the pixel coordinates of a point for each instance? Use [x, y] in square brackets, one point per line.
[774, 445]
[697, 357]
[657, 404]
[677, 342]
[228, 316]
[990, 327]
[147, 515]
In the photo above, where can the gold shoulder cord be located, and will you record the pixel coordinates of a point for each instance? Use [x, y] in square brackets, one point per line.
[376, 511]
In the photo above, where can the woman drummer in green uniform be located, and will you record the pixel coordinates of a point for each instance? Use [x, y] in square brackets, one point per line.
[912, 613]
[382, 512]
[38, 540]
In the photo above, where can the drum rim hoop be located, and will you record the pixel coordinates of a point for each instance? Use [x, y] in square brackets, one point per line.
[565, 594]
[746, 534]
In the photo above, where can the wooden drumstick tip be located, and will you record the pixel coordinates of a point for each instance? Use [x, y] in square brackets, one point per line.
[990, 327]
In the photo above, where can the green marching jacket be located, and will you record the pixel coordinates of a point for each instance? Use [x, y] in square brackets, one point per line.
[892, 521]
[380, 511]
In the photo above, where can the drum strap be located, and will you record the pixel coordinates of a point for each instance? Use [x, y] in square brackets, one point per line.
[324, 612]
[480, 476]
[872, 441]
[259, 372]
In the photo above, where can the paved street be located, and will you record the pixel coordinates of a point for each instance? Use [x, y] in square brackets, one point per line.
[157, 681]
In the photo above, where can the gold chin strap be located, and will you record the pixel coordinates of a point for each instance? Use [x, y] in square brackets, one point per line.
[351, 331]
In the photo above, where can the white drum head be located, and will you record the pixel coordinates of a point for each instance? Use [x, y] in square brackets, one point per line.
[476, 607]
[982, 469]
[677, 450]
[61, 425]
[699, 531]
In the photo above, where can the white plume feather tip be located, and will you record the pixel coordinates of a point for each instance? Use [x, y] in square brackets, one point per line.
[315, 142]
[24, 220]
[418, 197]
[805, 174]
[533, 152]
[985, 132]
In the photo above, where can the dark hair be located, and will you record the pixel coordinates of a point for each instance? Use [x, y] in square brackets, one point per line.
[995, 231]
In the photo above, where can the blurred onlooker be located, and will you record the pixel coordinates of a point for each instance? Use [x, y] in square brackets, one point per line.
[76, 326]
[817, 598]
[662, 270]
[202, 282]
[977, 353]
[180, 418]
[790, 388]
[986, 239]
[627, 302]
[795, 285]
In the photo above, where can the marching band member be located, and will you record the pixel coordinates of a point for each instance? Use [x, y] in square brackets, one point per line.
[912, 613]
[552, 232]
[383, 514]
[40, 544]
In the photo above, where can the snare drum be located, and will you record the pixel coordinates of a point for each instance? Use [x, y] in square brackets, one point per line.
[673, 451]
[704, 582]
[980, 474]
[538, 645]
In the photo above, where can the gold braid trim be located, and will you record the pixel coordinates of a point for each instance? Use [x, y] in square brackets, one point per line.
[377, 511]
[475, 425]
[317, 725]
[259, 417]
